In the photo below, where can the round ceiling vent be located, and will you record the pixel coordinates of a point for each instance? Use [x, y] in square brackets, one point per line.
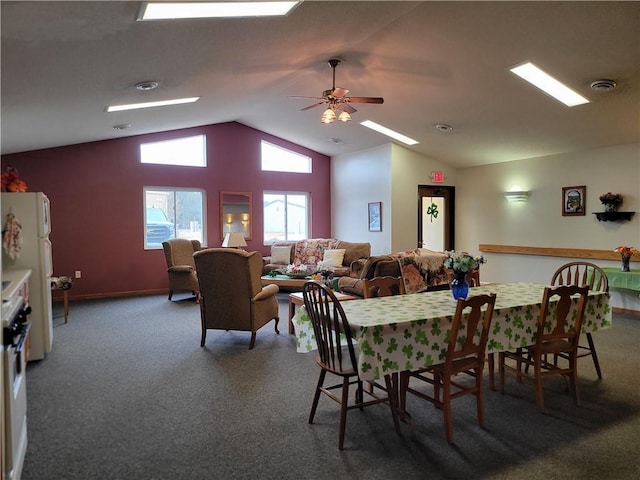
[336, 141]
[148, 85]
[603, 85]
[443, 127]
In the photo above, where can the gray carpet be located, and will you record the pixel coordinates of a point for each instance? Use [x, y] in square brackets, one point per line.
[127, 393]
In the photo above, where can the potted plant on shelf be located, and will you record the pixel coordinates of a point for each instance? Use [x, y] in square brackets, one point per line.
[611, 201]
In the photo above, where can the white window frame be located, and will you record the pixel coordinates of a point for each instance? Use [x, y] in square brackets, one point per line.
[188, 151]
[307, 215]
[275, 158]
[202, 227]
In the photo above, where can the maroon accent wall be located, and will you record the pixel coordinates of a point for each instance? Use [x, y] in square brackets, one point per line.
[96, 193]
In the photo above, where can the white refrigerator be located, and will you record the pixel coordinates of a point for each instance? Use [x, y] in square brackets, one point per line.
[32, 213]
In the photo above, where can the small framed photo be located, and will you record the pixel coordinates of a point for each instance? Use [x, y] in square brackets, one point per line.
[375, 216]
[574, 200]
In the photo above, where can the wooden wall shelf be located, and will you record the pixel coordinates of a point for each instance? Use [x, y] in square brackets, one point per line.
[613, 216]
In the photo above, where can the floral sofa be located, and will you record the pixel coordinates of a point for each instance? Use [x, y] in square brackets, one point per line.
[421, 269]
[330, 253]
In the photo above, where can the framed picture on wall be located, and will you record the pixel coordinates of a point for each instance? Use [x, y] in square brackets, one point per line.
[375, 217]
[574, 200]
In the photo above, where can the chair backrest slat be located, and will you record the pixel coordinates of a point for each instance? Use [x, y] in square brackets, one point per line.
[562, 325]
[383, 286]
[330, 327]
[470, 312]
[580, 274]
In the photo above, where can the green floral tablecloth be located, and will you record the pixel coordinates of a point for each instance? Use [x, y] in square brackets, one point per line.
[410, 331]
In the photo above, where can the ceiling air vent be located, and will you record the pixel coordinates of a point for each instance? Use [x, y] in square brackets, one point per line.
[603, 85]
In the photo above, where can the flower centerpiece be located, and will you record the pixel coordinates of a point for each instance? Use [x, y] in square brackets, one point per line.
[11, 182]
[461, 263]
[626, 252]
[611, 201]
[298, 271]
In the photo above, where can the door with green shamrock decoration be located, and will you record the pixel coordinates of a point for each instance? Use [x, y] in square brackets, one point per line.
[436, 217]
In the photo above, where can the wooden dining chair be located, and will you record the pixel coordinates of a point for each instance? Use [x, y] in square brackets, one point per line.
[337, 356]
[465, 354]
[561, 340]
[383, 286]
[473, 277]
[591, 275]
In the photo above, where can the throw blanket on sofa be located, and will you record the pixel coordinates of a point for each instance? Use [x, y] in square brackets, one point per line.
[421, 269]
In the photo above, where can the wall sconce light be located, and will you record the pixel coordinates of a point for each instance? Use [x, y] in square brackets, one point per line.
[517, 195]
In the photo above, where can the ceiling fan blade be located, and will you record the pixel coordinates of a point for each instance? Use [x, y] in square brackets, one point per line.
[364, 99]
[312, 106]
[303, 96]
[339, 92]
[347, 108]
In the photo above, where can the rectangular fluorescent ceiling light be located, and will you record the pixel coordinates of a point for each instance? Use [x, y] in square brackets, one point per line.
[175, 10]
[161, 103]
[549, 85]
[389, 133]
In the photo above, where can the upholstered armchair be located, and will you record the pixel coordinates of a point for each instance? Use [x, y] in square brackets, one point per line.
[181, 267]
[231, 293]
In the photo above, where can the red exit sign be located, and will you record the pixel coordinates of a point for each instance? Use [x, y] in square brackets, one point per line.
[437, 177]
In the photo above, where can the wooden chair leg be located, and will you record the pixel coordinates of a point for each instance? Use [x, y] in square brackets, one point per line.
[316, 396]
[391, 382]
[203, 337]
[343, 412]
[446, 407]
[491, 365]
[501, 360]
[170, 294]
[538, 387]
[276, 326]
[480, 399]
[253, 340]
[594, 355]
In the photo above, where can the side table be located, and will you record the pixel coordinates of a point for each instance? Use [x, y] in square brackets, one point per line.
[296, 298]
[63, 283]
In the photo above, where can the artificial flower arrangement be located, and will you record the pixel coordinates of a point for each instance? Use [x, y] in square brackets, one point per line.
[611, 199]
[626, 251]
[461, 262]
[11, 182]
[293, 270]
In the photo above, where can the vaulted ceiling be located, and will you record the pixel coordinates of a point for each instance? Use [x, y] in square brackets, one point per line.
[433, 62]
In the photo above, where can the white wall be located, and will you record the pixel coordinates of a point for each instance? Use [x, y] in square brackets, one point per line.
[410, 170]
[483, 215]
[356, 180]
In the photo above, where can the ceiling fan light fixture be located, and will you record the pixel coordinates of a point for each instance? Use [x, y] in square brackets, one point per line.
[329, 116]
[344, 117]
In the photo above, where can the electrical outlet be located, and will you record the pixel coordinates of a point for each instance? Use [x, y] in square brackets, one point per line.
[78, 274]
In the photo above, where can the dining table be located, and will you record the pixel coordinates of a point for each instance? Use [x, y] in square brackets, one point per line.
[407, 332]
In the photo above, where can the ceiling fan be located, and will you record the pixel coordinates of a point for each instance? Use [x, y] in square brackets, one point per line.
[337, 101]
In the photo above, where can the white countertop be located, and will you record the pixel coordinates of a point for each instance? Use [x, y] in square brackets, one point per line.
[16, 279]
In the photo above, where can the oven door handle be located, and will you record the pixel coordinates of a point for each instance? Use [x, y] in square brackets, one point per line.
[20, 345]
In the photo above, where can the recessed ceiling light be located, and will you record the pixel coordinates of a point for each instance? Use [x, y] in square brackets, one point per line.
[175, 10]
[389, 133]
[549, 85]
[148, 85]
[161, 103]
[336, 141]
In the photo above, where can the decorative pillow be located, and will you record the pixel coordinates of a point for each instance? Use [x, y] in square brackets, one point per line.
[281, 255]
[333, 257]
